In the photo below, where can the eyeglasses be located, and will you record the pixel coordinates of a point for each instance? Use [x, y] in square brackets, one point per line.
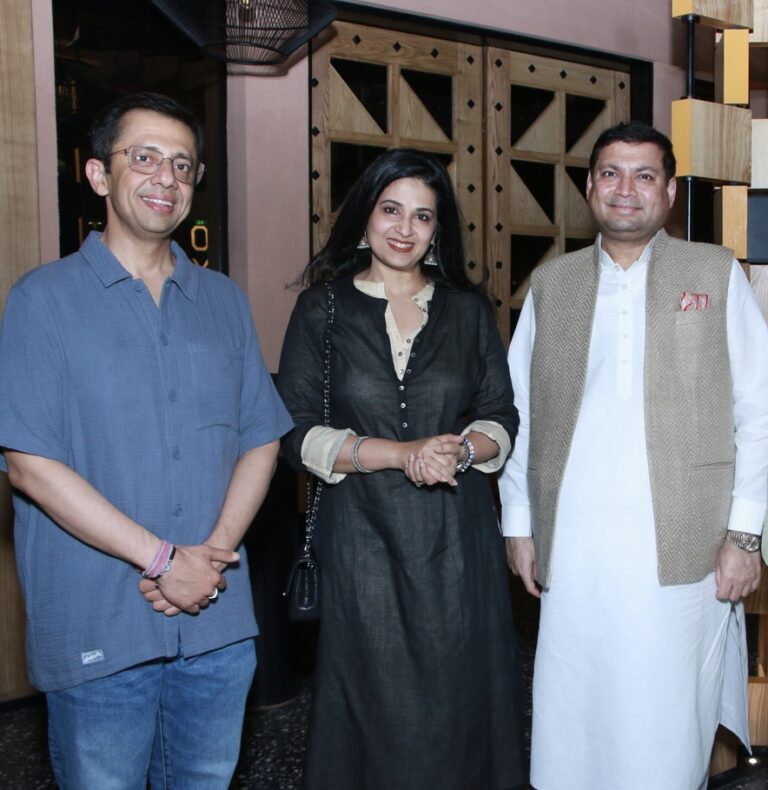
[149, 160]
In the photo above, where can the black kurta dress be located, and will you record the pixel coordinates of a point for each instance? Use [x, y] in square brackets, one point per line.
[417, 680]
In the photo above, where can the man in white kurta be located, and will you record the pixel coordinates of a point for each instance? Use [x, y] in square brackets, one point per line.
[631, 676]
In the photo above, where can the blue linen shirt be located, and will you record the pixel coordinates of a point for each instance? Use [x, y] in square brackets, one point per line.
[153, 406]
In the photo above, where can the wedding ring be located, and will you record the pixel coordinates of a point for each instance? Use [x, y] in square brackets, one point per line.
[214, 595]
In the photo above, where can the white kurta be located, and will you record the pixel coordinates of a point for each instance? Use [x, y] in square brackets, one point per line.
[631, 678]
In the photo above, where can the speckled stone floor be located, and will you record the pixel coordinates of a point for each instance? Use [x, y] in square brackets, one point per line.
[273, 736]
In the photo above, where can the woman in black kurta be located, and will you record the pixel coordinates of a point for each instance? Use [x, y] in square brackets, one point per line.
[417, 682]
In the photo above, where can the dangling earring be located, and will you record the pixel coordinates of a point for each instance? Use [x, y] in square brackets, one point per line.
[363, 243]
[430, 259]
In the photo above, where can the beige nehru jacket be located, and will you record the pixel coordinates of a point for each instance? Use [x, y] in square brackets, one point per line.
[687, 393]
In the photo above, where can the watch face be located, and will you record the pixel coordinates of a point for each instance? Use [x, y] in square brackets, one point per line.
[744, 540]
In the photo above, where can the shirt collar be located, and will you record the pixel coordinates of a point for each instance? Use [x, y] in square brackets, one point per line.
[377, 290]
[110, 271]
[607, 262]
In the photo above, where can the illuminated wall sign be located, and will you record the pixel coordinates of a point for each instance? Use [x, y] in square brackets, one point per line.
[198, 241]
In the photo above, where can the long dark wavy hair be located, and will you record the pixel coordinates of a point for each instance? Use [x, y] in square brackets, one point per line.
[340, 256]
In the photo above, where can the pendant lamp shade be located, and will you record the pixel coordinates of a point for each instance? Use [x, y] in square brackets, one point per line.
[256, 32]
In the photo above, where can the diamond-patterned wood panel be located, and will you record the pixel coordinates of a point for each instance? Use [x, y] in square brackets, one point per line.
[544, 115]
[429, 91]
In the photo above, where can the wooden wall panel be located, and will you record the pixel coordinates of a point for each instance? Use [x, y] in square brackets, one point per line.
[717, 13]
[712, 141]
[731, 219]
[19, 250]
[759, 35]
[759, 154]
[732, 67]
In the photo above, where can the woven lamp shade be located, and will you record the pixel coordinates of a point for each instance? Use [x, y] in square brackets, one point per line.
[255, 32]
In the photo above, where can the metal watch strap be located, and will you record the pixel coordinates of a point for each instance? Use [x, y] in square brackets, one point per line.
[743, 540]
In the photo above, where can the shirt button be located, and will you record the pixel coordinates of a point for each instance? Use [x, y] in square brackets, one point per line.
[401, 387]
[625, 334]
[178, 510]
[408, 340]
[413, 355]
[164, 339]
[404, 424]
[399, 353]
[624, 287]
[402, 405]
[624, 361]
[138, 286]
[408, 371]
[176, 454]
[625, 312]
[173, 396]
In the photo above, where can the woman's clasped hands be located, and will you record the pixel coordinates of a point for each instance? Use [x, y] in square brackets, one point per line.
[433, 460]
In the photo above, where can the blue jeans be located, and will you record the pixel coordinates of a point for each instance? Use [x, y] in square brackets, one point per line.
[175, 722]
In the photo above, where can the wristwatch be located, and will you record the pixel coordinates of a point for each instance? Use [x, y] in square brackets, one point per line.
[743, 540]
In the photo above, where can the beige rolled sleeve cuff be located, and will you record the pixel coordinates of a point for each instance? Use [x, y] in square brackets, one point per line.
[495, 433]
[321, 448]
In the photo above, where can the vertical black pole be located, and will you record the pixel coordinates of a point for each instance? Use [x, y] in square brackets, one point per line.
[691, 21]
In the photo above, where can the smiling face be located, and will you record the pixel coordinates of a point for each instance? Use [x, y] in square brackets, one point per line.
[628, 193]
[402, 225]
[139, 206]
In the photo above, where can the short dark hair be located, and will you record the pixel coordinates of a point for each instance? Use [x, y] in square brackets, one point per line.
[340, 255]
[107, 125]
[635, 132]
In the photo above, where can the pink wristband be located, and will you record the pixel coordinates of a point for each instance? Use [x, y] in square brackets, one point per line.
[161, 562]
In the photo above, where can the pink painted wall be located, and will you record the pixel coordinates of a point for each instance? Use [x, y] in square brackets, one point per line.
[268, 121]
[268, 152]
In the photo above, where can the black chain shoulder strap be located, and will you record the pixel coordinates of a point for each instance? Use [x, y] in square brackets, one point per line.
[314, 498]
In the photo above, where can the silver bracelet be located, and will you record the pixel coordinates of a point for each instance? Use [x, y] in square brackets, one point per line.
[462, 466]
[356, 456]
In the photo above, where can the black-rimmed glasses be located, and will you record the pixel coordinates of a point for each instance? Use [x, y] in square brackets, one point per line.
[149, 160]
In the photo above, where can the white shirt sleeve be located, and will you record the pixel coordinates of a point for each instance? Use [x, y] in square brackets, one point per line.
[513, 483]
[748, 354]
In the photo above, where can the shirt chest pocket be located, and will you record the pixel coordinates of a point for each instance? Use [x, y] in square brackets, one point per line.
[217, 377]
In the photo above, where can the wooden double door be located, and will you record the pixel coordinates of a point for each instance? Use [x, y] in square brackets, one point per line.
[514, 130]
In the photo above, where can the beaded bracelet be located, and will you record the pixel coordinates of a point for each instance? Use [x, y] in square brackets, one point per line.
[463, 465]
[161, 562]
[356, 456]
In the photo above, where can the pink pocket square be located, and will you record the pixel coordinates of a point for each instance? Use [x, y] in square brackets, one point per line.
[691, 301]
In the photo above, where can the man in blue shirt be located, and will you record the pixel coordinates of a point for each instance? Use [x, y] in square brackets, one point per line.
[139, 429]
